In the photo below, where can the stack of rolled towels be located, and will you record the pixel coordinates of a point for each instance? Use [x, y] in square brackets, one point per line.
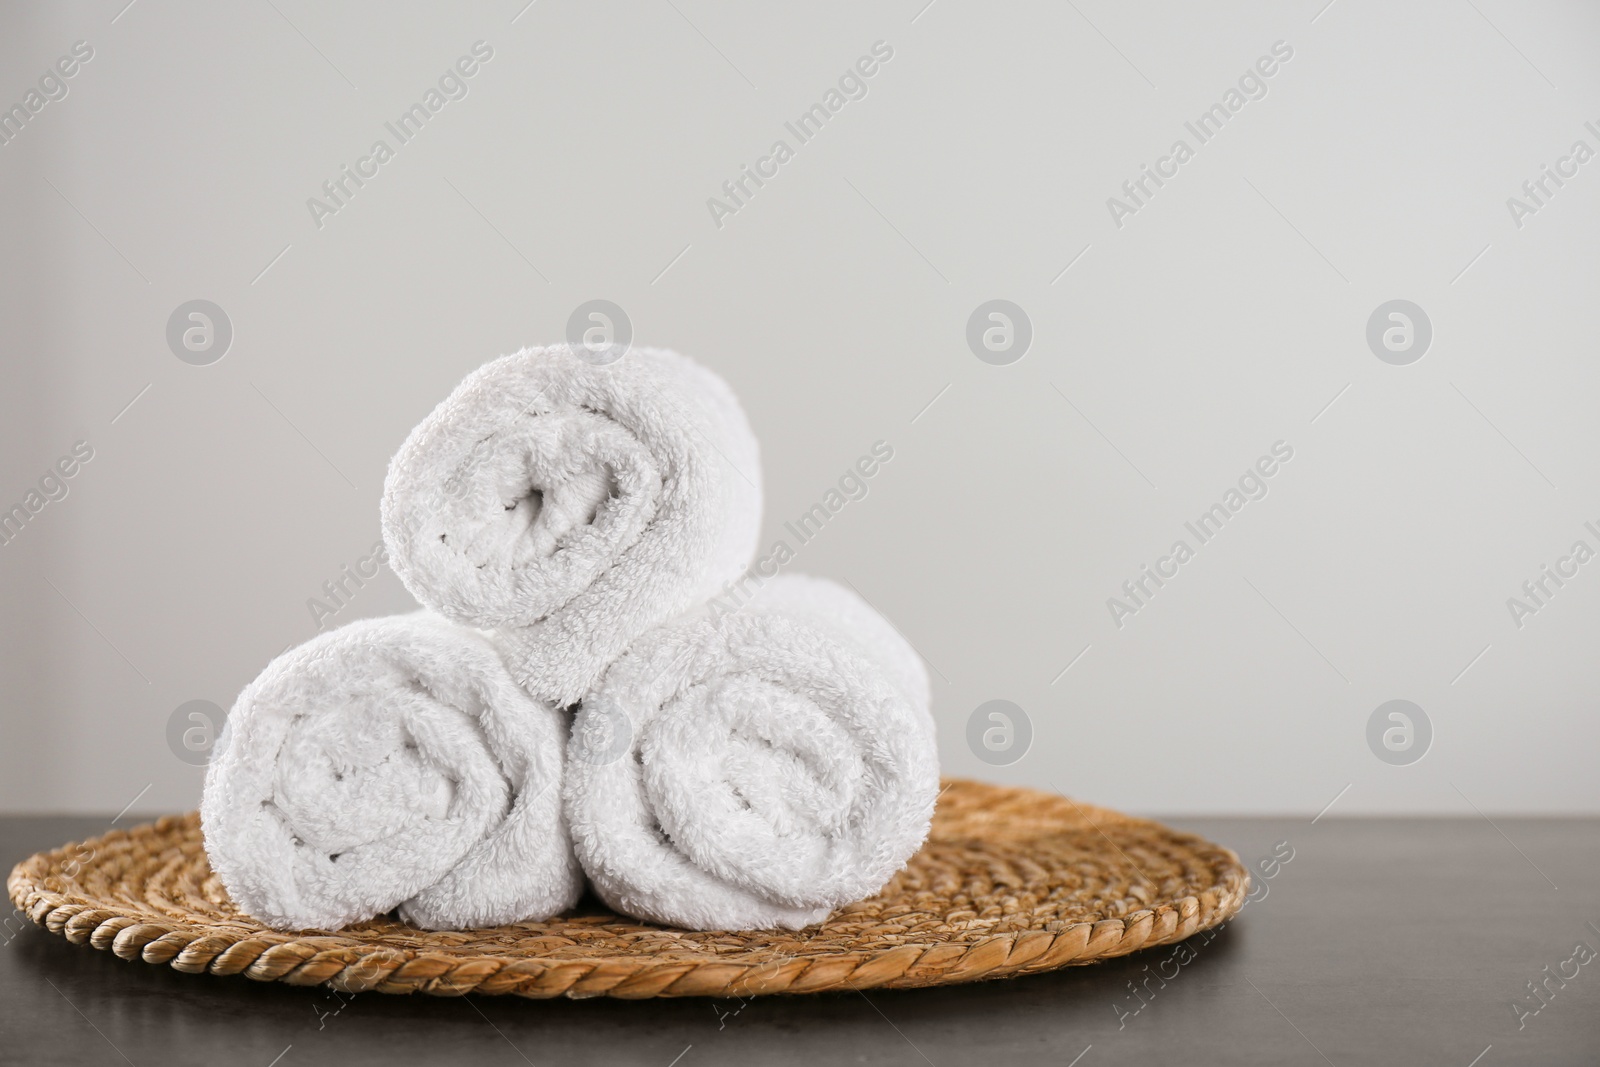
[599, 689]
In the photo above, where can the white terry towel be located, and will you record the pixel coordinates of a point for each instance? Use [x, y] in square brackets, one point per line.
[756, 769]
[571, 507]
[390, 763]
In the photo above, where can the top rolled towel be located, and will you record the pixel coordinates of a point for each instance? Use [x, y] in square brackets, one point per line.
[754, 769]
[571, 505]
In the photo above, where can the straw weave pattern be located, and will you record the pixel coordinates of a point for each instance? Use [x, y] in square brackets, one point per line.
[1011, 881]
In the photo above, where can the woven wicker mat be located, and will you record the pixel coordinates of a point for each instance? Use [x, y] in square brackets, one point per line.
[1012, 881]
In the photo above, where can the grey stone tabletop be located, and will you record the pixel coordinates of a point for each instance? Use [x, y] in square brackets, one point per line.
[1456, 942]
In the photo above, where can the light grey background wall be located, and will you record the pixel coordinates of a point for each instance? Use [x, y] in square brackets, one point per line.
[1172, 346]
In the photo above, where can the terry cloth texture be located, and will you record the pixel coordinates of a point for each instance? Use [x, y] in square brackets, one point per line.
[390, 763]
[754, 768]
[572, 506]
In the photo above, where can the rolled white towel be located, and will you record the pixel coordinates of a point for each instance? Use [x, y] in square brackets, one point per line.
[755, 769]
[572, 506]
[390, 763]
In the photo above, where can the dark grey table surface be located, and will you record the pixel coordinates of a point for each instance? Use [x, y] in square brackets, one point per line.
[1397, 941]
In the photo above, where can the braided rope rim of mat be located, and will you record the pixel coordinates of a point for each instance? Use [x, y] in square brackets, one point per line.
[1011, 881]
